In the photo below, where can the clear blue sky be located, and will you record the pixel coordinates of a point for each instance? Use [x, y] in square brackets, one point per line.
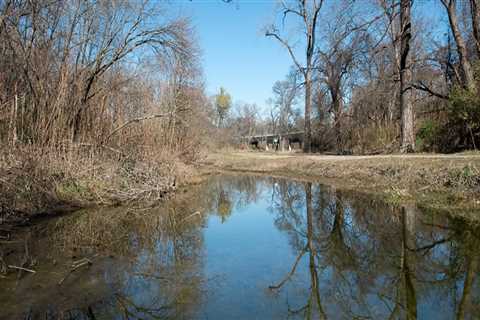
[236, 53]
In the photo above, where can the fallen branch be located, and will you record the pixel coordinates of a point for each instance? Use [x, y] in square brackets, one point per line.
[193, 214]
[81, 262]
[75, 266]
[21, 268]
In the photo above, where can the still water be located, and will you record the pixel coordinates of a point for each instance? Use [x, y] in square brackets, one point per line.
[244, 247]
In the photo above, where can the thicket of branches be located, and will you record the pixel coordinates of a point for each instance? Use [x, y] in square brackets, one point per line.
[377, 76]
[369, 77]
[118, 75]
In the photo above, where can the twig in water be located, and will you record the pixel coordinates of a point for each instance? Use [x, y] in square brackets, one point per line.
[193, 214]
[21, 268]
[75, 266]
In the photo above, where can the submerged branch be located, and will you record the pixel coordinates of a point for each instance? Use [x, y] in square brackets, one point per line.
[75, 266]
[22, 268]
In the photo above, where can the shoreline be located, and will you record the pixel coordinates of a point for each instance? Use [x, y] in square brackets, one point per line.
[431, 181]
[439, 182]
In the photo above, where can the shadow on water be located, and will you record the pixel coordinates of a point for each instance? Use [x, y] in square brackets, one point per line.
[242, 247]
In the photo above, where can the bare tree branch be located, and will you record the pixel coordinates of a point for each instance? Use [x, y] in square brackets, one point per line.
[136, 120]
[274, 34]
[423, 87]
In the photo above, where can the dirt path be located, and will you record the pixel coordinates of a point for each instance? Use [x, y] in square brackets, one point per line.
[321, 157]
[439, 181]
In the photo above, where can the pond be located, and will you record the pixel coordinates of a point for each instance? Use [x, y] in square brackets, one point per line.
[246, 247]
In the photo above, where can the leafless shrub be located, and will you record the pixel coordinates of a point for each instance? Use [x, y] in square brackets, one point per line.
[85, 84]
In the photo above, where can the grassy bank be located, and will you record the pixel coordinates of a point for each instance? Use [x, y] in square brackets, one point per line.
[448, 182]
[37, 182]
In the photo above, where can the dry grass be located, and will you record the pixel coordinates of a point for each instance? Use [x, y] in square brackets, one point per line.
[34, 181]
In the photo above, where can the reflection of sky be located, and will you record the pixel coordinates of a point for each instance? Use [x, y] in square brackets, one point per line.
[249, 254]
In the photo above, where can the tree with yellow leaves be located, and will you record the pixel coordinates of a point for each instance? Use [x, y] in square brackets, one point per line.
[223, 103]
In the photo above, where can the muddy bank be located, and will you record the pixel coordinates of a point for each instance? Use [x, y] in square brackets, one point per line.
[446, 182]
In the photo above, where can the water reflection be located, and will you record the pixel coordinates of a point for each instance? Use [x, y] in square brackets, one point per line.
[366, 260]
[249, 247]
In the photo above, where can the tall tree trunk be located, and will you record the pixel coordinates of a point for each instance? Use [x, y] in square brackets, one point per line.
[406, 107]
[467, 72]
[337, 112]
[475, 11]
[308, 11]
[307, 146]
[307, 140]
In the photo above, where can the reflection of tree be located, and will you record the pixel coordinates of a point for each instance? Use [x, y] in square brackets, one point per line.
[382, 262]
[450, 260]
[468, 235]
[470, 272]
[315, 288]
[339, 238]
[227, 193]
[159, 274]
[164, 281]
[314, 302]
[407, 261]
[224, 206]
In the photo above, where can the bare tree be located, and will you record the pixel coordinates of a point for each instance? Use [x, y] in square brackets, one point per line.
[273, 116]
[245, 118]
[285, 94]
[467, 77]
[392, 30]
[406, 107]
[308, 13]
[336, 64]
[475, 15]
